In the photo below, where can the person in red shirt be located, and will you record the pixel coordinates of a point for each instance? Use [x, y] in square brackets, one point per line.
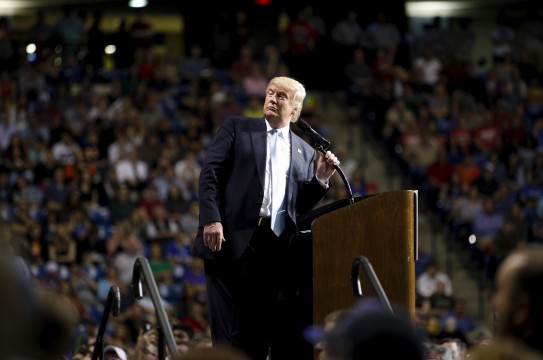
[461, 135]
[487, 136]
[438, 174]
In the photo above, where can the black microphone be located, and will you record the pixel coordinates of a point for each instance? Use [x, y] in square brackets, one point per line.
[320, 141]
[322, 145]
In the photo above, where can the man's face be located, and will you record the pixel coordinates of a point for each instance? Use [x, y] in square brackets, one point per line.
[278, 107]
[182, 339]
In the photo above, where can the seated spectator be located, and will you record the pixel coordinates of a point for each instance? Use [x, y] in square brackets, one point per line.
[448, 195]
[195, 280]
[104, 284]
[486, 182]
[461, 135]
[184, 335]
[192, 67]
[252, 107]
[441, 302]
[487, 136]
[396, 123]
[175, 203]
[179, 254]
[58, 192]
[131, 170]
[463, 211]
[510, 237]
[421, 155]
[160, 266]
[427, 282]
[66, 150]
[438, 175]
[468, 170]
[486, 226]
[505, 200]
[124, 253]
[459, 317]
[195, 315]
[187, 169]
[160, 227]
[449, 330]
[255, 83]
[150, 200]
[189, 219]
[146, 345]
[165, 181]
[122, 206]
[172, 292]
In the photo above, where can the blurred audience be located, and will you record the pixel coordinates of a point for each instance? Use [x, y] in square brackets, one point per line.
[88, 183]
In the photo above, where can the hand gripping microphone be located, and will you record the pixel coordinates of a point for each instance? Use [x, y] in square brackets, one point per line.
[322, 145]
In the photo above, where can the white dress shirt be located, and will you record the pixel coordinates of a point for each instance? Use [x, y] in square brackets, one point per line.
[284, 143]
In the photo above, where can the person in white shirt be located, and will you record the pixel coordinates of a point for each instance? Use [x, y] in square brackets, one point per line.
[131, 170]
[427, 282]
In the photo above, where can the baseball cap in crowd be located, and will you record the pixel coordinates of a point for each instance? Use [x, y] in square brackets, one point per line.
[117, 351]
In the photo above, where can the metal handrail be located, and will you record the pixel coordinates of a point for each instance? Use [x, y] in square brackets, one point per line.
[164, 328]
[113, 298]
[370, 273]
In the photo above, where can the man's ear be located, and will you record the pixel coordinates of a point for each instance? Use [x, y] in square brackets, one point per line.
[294, 115]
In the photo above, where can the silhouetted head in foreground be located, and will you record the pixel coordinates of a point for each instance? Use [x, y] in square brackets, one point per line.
[370, 330]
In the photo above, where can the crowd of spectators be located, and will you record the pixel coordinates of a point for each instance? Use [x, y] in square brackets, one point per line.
[467, 136]
[100, 165]
[469, 139]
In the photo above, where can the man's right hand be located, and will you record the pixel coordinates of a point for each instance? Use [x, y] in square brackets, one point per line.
[213, 236]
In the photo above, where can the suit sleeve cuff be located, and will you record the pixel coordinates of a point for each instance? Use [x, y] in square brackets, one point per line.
[325, 185]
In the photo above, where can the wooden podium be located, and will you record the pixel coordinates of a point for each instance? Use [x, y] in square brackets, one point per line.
[381, 227]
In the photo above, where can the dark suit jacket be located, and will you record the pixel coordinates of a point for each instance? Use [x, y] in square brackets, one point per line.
[231, 186]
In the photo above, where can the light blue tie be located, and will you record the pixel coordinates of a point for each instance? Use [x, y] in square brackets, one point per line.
[278, 179]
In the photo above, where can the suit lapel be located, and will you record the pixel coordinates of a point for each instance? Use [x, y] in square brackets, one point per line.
[258, 136]
[296, 162]
[296, 152]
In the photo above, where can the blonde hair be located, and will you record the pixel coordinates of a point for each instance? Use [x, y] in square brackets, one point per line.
[296, 89]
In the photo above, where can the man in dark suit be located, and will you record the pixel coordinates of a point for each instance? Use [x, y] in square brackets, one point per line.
[244, 251]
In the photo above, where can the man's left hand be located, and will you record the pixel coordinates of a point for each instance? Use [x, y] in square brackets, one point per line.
[326, 166]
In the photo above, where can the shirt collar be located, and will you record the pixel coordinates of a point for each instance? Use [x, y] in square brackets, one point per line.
[284, 131]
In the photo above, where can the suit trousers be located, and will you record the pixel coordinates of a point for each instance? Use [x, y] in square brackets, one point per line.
[247, 296]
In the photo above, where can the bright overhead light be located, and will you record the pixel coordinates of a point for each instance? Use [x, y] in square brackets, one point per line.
[11, 7]
[31, 48]
[110, 49]
[435, 8]
[137, 3]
